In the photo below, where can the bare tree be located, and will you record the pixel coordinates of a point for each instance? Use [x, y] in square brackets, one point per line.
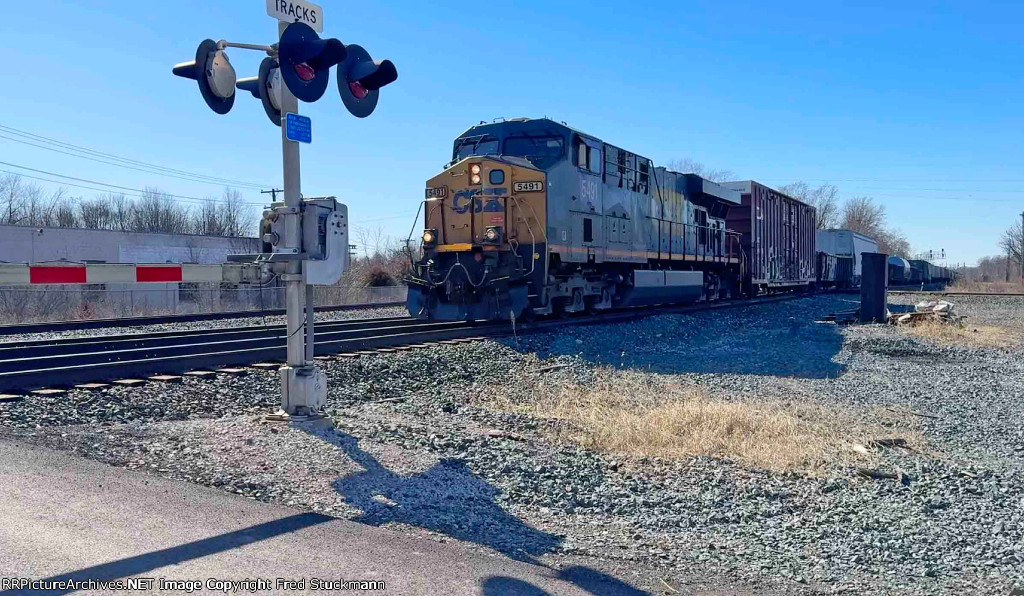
[372, 241]
[156, 211]
[206, 219]
[120, 211]
[893, 242]
[64, 213]
[229, 216]
[1012, 245]
[689, 166]
[824, 199]
[864, 216]
[96, 214]
[237, 217]
[12, 199]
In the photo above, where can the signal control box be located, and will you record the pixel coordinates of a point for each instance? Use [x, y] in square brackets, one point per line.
[324, 246]
[324, 240]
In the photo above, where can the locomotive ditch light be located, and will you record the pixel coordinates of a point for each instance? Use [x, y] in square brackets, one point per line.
[306, 60]
[267, 88]
[360, 79]
[213, 72]
[492, 235]
[429, 237]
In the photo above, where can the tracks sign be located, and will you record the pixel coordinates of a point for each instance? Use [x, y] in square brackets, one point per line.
[297, 11]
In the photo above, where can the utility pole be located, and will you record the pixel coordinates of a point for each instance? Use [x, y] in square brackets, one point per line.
[1020, 248]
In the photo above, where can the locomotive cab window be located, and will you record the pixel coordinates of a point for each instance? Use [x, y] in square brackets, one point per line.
[701, 219]
[542, 152]
[587, 155]
[644, 182]
[479, 145]
[621, 168]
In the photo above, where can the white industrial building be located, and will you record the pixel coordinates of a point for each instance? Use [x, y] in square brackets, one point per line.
[20, 244]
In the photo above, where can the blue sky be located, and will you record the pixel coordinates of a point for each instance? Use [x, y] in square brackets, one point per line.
[918, 105]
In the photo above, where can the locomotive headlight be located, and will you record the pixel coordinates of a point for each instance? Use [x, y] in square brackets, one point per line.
[475, 179]
[475, 169]
[474, 174]
[492, 235]
[429, 237]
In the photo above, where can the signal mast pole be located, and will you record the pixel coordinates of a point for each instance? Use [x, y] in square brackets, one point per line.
[295, 288]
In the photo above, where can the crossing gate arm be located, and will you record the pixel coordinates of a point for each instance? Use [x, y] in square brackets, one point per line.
[101, 273]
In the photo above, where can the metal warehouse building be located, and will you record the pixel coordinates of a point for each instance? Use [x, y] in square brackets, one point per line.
[20, 244]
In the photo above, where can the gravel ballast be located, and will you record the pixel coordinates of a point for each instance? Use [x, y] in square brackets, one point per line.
[412, 450]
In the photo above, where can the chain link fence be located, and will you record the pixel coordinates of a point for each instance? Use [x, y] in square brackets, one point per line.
[66, 303]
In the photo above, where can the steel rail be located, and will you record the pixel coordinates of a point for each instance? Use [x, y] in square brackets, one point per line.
[52, 326]
[184, 336]
[54, 369]
[43, 356]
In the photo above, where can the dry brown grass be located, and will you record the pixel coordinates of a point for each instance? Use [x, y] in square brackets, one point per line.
[988, 287]
[985, 336]
[654, 415]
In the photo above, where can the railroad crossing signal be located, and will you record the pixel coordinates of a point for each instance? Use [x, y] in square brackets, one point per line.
[305, 240]
[360, 80]
[306, 60]
[267, 88]
[301, 62]
[216, 77]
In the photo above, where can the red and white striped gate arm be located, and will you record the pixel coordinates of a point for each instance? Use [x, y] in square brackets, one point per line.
[76, 273]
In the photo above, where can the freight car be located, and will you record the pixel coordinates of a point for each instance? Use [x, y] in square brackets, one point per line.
[847, 243]
[899, 271]
[932, 274]
[534, 217]
[777, 236]
[834, 271]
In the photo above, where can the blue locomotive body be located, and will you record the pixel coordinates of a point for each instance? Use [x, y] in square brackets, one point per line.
[534, 217]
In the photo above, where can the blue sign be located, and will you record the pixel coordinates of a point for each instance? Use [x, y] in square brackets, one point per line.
[298, 128]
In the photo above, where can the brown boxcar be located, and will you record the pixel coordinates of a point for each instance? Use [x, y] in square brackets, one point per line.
[777, 235]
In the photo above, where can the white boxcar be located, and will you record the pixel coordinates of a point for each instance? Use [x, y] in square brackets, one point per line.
[846, 243]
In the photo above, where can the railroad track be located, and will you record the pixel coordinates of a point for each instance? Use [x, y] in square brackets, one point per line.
[63, 363]
[942, 293]
[52, 326]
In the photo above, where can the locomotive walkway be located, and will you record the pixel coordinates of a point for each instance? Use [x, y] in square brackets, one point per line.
[62, 517]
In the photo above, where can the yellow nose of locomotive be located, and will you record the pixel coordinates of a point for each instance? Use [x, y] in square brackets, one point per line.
[483, 204]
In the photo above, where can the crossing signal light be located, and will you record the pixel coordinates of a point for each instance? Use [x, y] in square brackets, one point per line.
[216, 77]
[306, 60]
[267, 88]
[360, 79]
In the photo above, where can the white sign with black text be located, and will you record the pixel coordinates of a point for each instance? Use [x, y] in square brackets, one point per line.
[291, 11]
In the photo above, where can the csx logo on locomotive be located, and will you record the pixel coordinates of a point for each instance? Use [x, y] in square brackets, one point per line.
[465, 199]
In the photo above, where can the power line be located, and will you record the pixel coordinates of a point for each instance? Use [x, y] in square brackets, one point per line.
[138, 191]
[908, 180]
[72, 150]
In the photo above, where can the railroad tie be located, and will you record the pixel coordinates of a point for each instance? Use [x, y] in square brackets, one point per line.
[49, 392]
[235, 372]
[92, 386]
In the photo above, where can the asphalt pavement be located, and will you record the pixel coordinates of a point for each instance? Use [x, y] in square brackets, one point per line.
[66, 518]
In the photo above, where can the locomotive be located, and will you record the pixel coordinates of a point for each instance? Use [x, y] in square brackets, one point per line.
[534, 217]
